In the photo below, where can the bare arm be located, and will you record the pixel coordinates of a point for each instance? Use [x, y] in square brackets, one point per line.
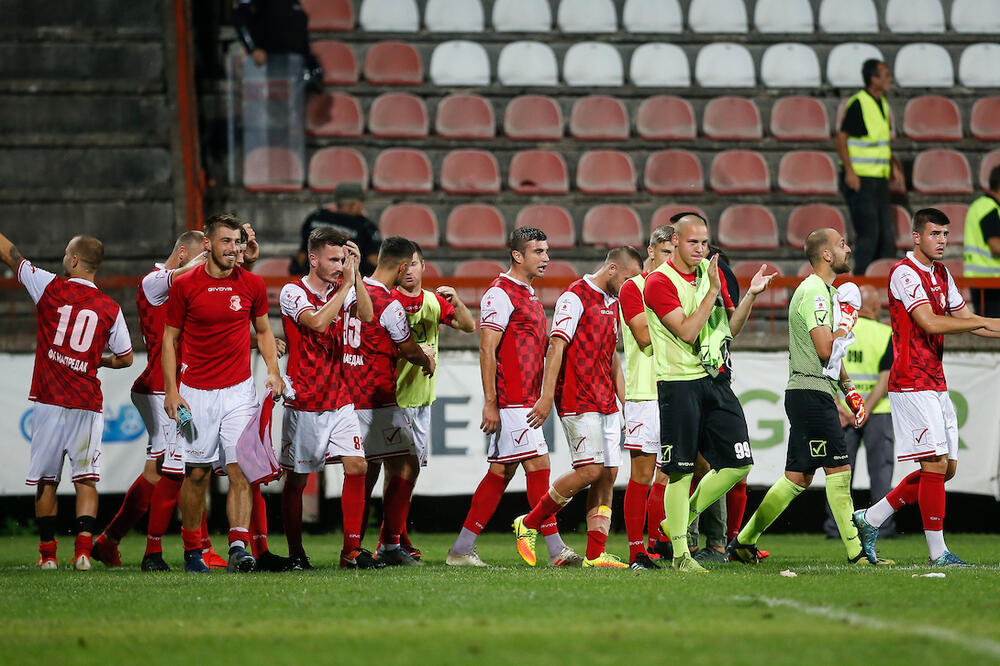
[553, 363]
[116, 362]
[619, 378]
[9, 253]
[320, 320]
[415, 354]
[639, 326]
[961, 321]
[194, 263]
[463, 320]
[688, 328]
[966, 314]
[168, 358]
[488, 342]
[269, 351]
[850, 177]
[822, 338]
[738, 316]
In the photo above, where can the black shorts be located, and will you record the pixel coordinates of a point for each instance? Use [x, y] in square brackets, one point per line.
[701, 415]
[815, 437]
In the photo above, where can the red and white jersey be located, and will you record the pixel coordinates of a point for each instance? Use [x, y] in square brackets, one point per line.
[214, 316]
[586, 318]
[370, 352]
[314, 359]
[151, 303]
[916, 365]
[511, 307]
[76, 323]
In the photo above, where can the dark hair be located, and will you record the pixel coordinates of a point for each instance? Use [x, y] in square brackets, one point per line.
[321, 236]
[994, 181]
[395, 250]
[716, 250]
[227, 220]
[869, 70]
[419, 250]
[675, 218]
[619, 254]
[928, 215]
[89, 250]
[520, 237]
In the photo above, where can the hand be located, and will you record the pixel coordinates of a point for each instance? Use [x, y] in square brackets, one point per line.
[259, 57]
[252, 252]
[173, 401]
[759, 282]
[276, 384]
[896, 179]
[846, 418]
[447, 293]
[350, 267]
[852, 181]
[431, 365]
[199, 259]
[714, 280]
[491, 418]
[857, 405]
[848, 317]
[540, 412]
[352, 249]
[281, 346]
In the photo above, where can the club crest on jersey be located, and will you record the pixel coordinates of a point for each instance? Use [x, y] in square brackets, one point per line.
[234, 303]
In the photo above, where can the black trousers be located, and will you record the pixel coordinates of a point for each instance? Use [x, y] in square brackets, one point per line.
[986, 302]
[872, 219]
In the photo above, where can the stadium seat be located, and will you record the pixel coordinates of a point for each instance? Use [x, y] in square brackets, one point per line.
[748, 227]
[465, 117]
[923, 65]
[662, 215]
[470, 172]
[475, 227]
[329, 15]
[732, 119]
[739, 172]
[330, 167]
[673, 172]
[398, 116]
[979, 66]
[713, 16]
[527, 64]
[460, 63]
[904, 239]
[807, 172]
[975, 16]
[775, 298]
[956, 266]
[389, 16]
[843, 65]
[587, 16]
[659, 65]
[522, 16]
[665, 118]
[340, 67]
[555, 221]
[790, 65]
[593, 64]
[393, 64]
[881, 268]
[454, 16]
[414, 221]
[605, 172]
[485, 270]
[804, 220]
[848, 16]
[799, 119]
[913, 16]
[724, 65]
[989, 161]
[657, 16]
[561, 270]
[272, 169]
[273, 267]
[333, 114]
[942, 171]
[598, 118]
[984, 123]
[805, 270]
[534, 118]
[432, 272]
[783, 17]
[932, 118]
[538, 172]
[402, 170]
[956, 215]
[609, 225]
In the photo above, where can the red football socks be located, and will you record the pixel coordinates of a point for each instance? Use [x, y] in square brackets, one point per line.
[134, 505]
[736, 504]
[655, 512]
[635, 517]
[545, 509]
[258, 522]
[83, 545]
[596, 541]
[352, 502]
[397, 506]
[906, 492]
[932, 500]
[239, 536]
[191, 539]
[161, 510]
[291, 516]
[485, 501]
[538, 486]
[206, 542]
[47, 549]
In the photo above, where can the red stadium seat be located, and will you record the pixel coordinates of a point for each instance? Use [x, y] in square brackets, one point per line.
[465, 117]
[555, 270]
[904, 228]
[807, 172]
[932, 118]
[329, 15]
[673, 172]
[483, 269]
[475, 227]
[534, 118]
[799, 119]
[402, 170]
[393, 64]
[340, 67]
[942, 171]
[665, 118]
[748, 227]
[732, 119]
[414, 221]
[990, 161]
[538, 172]
[806, 219]
[273, 267]
[662, 215]
[470, 172]
[880, 267]
[985, 121]
[598, 118]
[805, 270]
[330, 167]
[555, 221]
[431, 271]
[398, 116]
[772, 299]
[333, 114]
[956, 213]
[609, 225]
[739, 172]
[272, 169]
[605, 172]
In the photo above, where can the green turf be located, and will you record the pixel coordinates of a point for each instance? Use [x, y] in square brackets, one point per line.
[831, 613]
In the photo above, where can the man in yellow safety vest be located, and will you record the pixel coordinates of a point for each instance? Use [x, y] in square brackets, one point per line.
[982, 245]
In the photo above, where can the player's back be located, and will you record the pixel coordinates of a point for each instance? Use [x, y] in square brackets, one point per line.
[585, 378]
[152, 319]
[917, 356]
[521, 353]
[370, 353]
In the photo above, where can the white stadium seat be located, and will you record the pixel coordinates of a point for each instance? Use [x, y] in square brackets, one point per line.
[848, 16]
[783, 16]
[790, 65]
[923, 65]
[843, 65]
[659, 16]
[979, 66]
[912, 16]
[724, 65]
[389, 16]
[460, 63]
[454, 16]
[982, 16]
[660, 65]
[527, 63]
[522, 16]
[728, 16]
[587, 16]
[593, 64]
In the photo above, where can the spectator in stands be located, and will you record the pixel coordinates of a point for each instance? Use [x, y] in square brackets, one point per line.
[349, 219]
[982, 245]
[277, 26]
[868, 165]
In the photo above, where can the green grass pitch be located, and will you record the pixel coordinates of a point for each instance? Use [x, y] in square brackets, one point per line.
[831, 613]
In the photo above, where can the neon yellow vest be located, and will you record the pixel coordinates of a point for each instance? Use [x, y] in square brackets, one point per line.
[870, 155]
[863, 357]
[979, 261]
[413, 388]
[640, 371]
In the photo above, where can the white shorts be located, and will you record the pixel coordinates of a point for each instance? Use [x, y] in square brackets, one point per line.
[386, 432]
[515, 440]
[57, 432]
[594, 439]
[642, 426]
[218, 418]
[310, 440]
[162, 431]
[420, 421]
[924, 424]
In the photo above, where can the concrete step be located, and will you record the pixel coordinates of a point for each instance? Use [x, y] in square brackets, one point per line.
[123, 64]
[84, 173]
[58, 18]
[84, 120]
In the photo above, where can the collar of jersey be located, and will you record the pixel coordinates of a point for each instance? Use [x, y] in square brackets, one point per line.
[608, 299]
[375, 283]
[916, 262]
[309, 287]
[516, 281]
[82, 281]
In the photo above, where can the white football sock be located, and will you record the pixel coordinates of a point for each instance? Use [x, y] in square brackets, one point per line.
[879, 512]
[935, 543]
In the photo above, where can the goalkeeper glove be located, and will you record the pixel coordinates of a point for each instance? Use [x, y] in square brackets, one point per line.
[848, 317]
[855, 402]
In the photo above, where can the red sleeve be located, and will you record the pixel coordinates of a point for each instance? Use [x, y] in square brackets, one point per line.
[631, 301]
[177, 305]
[447, 310]
[725, 292]
[259, 291]
[660, 294]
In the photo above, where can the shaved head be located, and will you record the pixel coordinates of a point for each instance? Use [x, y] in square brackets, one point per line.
[816, 242]
[88, 250]
[828, 246]
[688, 221]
